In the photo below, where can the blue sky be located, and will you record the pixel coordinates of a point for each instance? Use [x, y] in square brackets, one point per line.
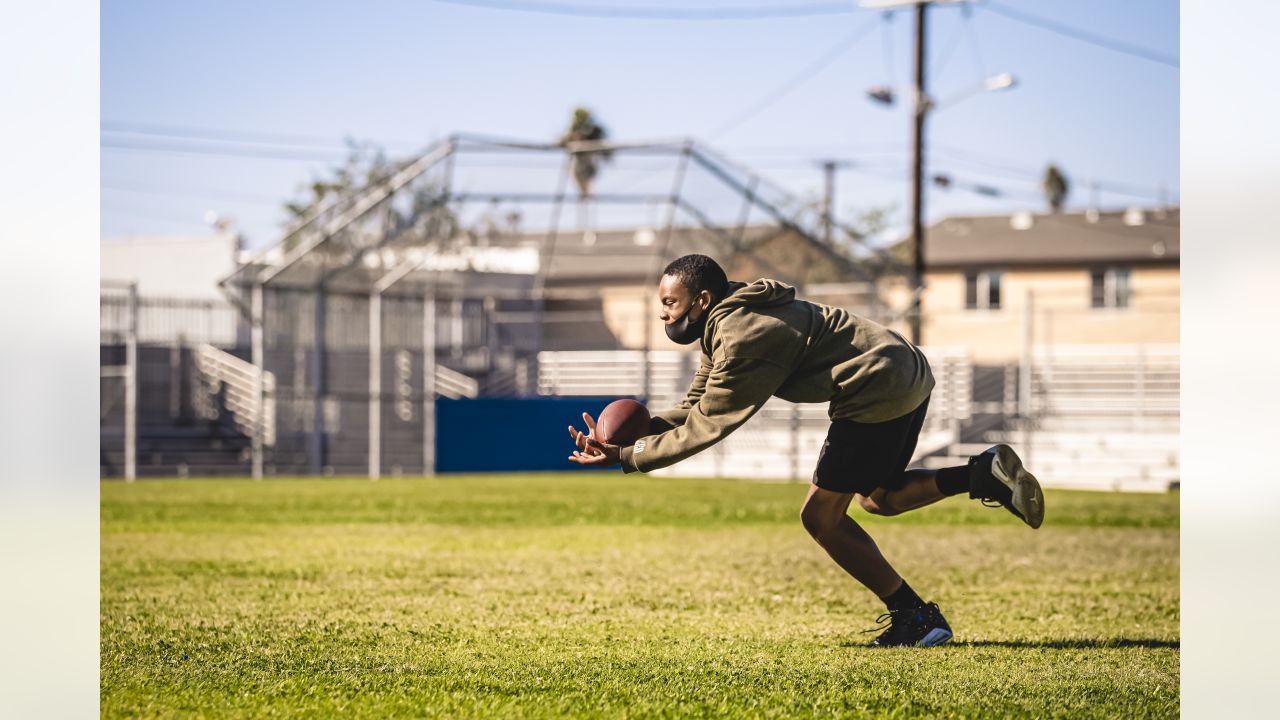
[405, 72]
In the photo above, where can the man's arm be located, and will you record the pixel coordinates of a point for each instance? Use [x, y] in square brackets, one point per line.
[662, 421]
[733, 390]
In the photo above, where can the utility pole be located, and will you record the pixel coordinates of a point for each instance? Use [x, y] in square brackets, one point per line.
[828, 198]
[829, 167]
[920, 108]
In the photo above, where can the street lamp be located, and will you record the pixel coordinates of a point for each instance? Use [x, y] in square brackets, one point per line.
[882, 94]
[921, 105]
[1003, 81]
[886, 95]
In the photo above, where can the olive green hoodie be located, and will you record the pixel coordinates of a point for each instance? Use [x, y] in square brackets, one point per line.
[760, 342]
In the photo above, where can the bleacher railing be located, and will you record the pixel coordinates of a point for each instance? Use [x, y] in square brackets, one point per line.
[231, 383]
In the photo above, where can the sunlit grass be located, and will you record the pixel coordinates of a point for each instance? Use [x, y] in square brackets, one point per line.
[605, 595]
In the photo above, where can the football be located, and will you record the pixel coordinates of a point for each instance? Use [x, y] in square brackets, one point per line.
[622, 422]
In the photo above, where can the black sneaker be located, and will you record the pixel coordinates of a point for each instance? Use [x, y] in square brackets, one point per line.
[918, 627]
[997, 476]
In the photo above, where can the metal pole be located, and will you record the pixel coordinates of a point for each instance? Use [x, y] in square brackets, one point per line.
[131, 389]
[920, 110]
[375, 385]
[546, 254]
[175, 378]
[829, 190]
[1024, 391]
[256, 322]
[646, 381]
[656, 265]
[429, 381]
[795, 442]
[318, 382]
[1140, 407]
[673, 203]
[456, 329]
[748, 199]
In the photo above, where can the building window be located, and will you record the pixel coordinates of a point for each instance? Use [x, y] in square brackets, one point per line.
[1110, 288]
[982, 290]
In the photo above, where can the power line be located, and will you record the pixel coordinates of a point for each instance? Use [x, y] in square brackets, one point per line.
[799, 79]
[886, 44]
[207, 133]
[996, 166]
[188, 132]
[1082, 35]
[151, 216]
[940, 62]
[644, 12]
[975, 48]
[165, 190]
[223, 151]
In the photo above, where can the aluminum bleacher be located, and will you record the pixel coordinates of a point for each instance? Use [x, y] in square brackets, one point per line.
[1100, 418]
[1097, 417]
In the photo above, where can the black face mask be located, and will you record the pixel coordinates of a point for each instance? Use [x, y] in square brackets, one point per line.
[684, 330]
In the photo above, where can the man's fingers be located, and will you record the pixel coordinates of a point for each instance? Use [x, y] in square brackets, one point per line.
[585, 459]
[591, 423]
[578, 438]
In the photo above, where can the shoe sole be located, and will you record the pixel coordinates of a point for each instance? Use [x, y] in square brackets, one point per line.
[934, 637]
[1028, 498]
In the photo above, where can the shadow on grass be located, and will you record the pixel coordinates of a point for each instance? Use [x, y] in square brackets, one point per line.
[1060, 644]
[1076, 644]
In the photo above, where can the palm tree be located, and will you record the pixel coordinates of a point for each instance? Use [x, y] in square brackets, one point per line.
[1056, 186]
[585, 165]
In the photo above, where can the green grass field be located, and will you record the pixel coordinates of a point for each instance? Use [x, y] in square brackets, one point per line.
[612, 596]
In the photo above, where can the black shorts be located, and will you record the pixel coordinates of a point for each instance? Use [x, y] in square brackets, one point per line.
[860, 457]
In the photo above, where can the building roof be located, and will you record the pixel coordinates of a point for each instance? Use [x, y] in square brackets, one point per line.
[632, 256]
[1130, 236]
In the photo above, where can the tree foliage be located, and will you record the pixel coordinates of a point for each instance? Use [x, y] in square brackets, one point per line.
[585, 165]
[1056, 186]
[366, 163]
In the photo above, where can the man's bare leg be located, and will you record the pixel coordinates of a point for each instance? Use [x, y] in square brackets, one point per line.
[919, 488]
[913, 622]
[825, 516]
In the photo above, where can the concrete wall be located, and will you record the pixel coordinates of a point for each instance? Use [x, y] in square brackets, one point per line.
[171, 266]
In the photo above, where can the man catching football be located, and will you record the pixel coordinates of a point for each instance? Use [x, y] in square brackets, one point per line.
[759, 341]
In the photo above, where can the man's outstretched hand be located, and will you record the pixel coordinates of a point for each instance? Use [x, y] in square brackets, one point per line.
[591, 451]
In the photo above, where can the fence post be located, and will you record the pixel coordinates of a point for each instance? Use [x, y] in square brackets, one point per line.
[259, 403]
[456, 330]
[131, 388]
[1024, 392]
[319, 373]
[1140, 407]
[375, 385]
[795, 442]
[429, 381]
[646, 348]
[175, 378]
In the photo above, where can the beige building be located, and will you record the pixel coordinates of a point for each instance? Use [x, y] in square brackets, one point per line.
[994, 284]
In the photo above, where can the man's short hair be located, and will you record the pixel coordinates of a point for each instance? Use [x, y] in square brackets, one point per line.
[698, 273]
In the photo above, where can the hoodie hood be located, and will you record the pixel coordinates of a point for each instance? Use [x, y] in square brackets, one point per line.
[761, 293]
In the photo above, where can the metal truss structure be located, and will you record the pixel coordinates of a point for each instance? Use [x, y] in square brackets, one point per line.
[477, 219]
